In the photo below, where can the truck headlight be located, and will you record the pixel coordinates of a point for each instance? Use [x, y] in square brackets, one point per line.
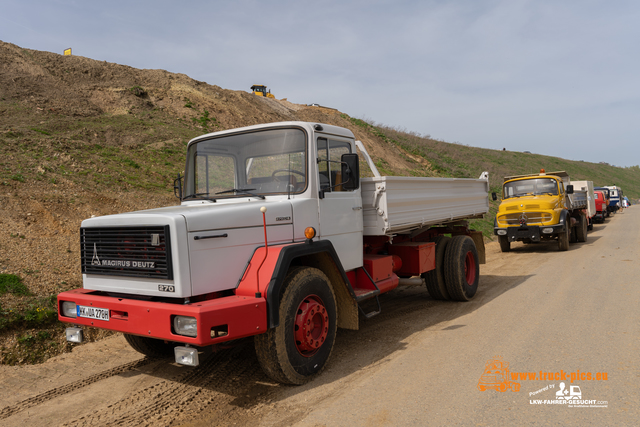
[502, 232]
[74, 334]
[547, 230]
[186, 356]
[187, 326]
[69, 309]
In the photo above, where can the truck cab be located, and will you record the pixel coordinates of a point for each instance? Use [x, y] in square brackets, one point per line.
[601, 206]
[615, 198]
[539, 207]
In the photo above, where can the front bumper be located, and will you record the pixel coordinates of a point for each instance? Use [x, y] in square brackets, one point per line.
[534, 233]
[218, 320]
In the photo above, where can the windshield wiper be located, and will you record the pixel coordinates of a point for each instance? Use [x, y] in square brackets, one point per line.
[243, 191]
[199, 196]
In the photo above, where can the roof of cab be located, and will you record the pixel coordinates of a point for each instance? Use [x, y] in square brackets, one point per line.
[310, 127]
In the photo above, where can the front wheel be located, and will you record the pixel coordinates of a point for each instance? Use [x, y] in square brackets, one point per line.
[150, 346]
[461, 268]
[563, 238]
[505, 244]
[299, 347]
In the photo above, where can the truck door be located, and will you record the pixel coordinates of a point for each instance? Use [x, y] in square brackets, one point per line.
[340, 211]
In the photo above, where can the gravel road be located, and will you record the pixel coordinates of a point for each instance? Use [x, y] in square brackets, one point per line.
[420, 362]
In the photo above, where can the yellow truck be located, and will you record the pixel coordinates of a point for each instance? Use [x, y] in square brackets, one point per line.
[540, 207]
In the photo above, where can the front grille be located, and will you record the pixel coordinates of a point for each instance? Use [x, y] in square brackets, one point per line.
[532, 218]
[127, 251]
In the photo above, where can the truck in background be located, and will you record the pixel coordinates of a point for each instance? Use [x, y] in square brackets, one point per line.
[601, 206]
[591, 203]
[615, 198]
[276, 238]
[542, 206]
[605, 191]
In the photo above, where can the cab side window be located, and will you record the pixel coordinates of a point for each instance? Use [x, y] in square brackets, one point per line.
[329, 166]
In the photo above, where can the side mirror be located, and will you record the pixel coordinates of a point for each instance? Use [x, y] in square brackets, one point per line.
[494, 196]
[350, 171]
[569, 189]
[177, 187]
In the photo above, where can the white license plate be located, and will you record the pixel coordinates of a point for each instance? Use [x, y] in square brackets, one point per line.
[93, 312]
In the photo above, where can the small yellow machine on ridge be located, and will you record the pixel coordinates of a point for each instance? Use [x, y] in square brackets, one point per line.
[261, 90]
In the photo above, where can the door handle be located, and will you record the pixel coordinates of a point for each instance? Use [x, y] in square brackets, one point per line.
[357, 208]
[215, 236]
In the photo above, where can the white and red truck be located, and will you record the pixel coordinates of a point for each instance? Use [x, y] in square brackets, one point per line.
[276, 237]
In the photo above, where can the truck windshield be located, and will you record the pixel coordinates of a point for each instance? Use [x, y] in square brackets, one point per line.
[530, 187]
[249, 164]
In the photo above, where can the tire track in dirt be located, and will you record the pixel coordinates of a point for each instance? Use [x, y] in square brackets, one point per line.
[219, 386]
[8, 411]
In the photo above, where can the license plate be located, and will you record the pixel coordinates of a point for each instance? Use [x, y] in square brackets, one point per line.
[93, 312]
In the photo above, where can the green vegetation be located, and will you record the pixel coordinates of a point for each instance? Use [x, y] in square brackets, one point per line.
[17, 177]
[29, 311]
[138, 91]
[10, 283]
[44, 132]
[101, 152]
[204, 121]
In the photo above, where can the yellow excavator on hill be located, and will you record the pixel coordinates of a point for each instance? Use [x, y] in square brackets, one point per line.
[261, 90]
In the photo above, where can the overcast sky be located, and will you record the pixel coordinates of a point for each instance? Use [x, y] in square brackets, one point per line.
[554, 77]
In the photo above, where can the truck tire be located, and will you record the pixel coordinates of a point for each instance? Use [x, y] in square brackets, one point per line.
[581, 229]
[573, 236]
[434, 279]
[299, 347]
[461, 268]
[505, 244]
[150, 346]
[563, 238]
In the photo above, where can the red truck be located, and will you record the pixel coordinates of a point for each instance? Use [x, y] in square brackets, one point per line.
[601, 206]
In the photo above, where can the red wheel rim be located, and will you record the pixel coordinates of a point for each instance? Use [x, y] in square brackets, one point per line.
[470, 268]
[311, 325]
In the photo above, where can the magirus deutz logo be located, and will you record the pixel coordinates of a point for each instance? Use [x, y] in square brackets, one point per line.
[118, 263]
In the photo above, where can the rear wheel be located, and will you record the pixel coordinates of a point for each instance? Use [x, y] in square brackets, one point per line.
[434, 279]
[581, 229]
[461, 268]
[150, 346]
[573, 235]
[505, 244]
[299, 347]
